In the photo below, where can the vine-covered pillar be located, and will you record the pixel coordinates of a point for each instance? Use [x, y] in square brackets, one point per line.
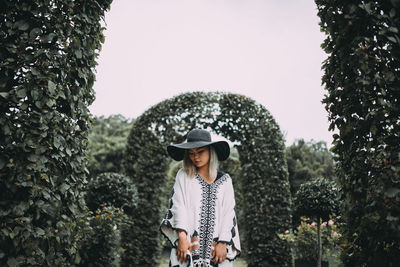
[48, 52]
[362, 78]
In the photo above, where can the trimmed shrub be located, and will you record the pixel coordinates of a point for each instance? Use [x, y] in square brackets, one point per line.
[48, 51]
[261, 153]
[362, 80]
[318, 199]
[147, 167]
[111, 189]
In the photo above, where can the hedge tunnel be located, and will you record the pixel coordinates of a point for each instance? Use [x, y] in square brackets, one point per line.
[260, 144]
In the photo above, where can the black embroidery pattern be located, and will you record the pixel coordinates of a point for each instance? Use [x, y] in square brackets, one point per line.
[207, 218]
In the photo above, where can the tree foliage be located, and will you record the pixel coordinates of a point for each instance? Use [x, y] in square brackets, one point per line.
[362, 78]
[261, 152]
[307, 160]
[107, 141]
[48, 51]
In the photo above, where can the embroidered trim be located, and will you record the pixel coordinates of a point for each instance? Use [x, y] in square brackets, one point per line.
[207, 217]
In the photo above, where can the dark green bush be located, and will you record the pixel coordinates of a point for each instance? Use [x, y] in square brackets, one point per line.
[101, 244]
[261, 154]
[48, 53]
[111, 189]
[362, 80]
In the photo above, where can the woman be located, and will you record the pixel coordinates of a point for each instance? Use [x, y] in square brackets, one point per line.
[200, 222]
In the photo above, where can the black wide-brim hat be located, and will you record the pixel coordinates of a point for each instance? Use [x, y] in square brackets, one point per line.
[198, 138]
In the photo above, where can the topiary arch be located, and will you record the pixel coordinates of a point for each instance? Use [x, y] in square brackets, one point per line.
[260, 144]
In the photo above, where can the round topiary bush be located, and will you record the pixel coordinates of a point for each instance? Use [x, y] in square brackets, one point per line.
[318, 199]
[261, 150]
[111, 189]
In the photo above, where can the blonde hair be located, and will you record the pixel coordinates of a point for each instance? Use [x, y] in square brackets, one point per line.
[191, 169]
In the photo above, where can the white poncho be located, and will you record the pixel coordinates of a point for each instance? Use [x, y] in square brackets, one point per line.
[206, 212]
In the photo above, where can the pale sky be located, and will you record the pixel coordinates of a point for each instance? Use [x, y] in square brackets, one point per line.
[268, 50]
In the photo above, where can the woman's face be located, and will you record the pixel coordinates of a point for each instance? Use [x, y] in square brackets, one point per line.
[200, 156]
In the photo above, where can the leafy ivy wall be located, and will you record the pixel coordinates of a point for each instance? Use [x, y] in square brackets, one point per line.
[48, 51]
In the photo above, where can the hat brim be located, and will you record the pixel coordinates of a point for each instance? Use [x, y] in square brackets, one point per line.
[177, 151]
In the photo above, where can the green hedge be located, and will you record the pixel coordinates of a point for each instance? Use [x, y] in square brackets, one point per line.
[261, 150]
[363, 95]
[48, 51]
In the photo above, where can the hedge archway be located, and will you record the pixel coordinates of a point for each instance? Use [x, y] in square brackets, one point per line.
[260, 144]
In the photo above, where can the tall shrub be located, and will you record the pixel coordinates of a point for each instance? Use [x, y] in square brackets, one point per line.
[146, 166]
[48, 52]
[261, 153]
[362, 79]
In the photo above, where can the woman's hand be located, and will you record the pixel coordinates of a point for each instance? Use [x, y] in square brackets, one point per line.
[219, 253]
[183, 246]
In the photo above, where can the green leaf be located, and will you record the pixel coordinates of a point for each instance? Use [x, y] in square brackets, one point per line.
[33, 157]
[35, 94]
[48, 38]
[12, 262]
[50, 102]
[392, 39]
[22, 25]
[4, 95]
[34, 33]
[35, 72]
[40, 231]
[64, 187]
[392, 192]
[21, 93]
[52, 87]
[393, 29]
[78, 53]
